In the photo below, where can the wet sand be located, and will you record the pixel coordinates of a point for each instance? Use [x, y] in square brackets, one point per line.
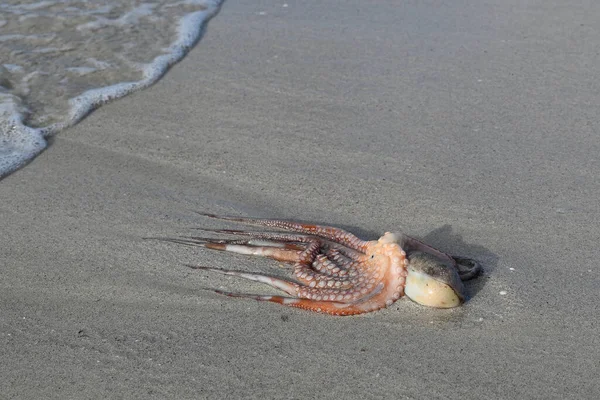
[474, 127]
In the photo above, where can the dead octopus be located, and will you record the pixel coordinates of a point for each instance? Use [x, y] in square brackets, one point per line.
[337, 273]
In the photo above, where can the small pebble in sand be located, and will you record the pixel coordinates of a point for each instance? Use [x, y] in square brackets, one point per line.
[502, 292]
[512, 269]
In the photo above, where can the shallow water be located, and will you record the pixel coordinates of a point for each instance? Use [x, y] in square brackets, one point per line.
[61, 59]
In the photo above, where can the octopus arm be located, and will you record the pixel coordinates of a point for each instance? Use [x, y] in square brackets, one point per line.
[313, 278]
[319, 292]
[289, 287]
[277, 236]
[338, 252]
[283, 252]
[327, 232]
[310, 267]
[326, 307]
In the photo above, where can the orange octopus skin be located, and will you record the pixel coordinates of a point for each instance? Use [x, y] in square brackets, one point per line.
[337, 273]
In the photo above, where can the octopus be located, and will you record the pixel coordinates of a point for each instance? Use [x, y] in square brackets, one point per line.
[338, 273]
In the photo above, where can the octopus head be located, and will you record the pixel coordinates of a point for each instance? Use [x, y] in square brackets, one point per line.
[431, 282]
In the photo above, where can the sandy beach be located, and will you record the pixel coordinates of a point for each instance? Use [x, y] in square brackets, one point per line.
[472, 126]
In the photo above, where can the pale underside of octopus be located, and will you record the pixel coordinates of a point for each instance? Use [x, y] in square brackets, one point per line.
[339, 274]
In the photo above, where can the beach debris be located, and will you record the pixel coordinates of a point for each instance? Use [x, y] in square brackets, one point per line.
[336, 272]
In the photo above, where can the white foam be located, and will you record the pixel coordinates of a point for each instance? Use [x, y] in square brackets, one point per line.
[20, 143]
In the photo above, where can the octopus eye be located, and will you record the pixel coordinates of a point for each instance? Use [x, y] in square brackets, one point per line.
[372, 256]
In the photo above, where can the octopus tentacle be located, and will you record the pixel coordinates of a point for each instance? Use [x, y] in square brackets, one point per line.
[308, 255]
[326, 266]
[318, 292]
[324, 273]
[289, 287]
[321, 306]
[336, 256]
[312, 278]
[283, 252]
[279, 236]
[327, 307]
[334, 249]
[337, 268]
[203, 241]
[340, 253]
[328, 232]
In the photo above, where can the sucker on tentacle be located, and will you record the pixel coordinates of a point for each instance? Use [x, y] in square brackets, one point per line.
[338, 273]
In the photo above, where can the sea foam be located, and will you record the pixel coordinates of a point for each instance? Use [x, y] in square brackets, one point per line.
[62, 59]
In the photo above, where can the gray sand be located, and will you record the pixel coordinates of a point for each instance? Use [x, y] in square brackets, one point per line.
[472, 126]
